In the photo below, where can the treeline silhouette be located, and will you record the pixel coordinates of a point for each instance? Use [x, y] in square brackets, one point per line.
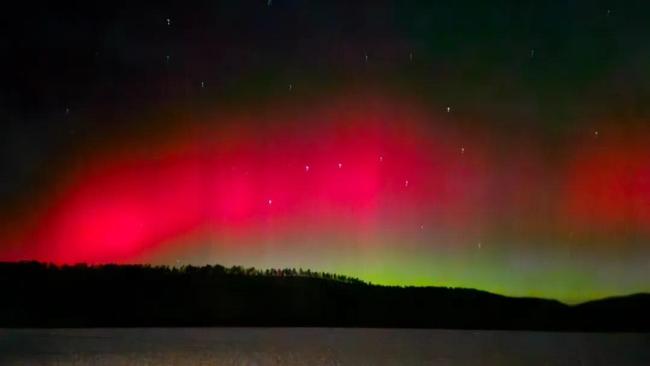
[45, 295]
[252, 271]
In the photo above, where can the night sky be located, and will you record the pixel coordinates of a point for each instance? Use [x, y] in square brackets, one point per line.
[499, 145]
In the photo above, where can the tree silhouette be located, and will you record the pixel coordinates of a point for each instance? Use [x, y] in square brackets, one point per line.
[37, 294]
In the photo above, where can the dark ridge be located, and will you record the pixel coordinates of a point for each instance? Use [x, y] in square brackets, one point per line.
[45, 295]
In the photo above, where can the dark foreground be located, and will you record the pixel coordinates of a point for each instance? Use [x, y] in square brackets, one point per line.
[38, 295]
[317, 346]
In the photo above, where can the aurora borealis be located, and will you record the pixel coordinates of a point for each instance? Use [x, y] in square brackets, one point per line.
[413, 145]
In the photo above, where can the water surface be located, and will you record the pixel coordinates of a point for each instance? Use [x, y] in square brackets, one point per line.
[316, 346]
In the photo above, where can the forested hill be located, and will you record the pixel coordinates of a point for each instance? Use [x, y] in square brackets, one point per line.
[42, 295]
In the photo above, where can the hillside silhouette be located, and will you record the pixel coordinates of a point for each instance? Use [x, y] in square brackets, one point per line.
[44, 295]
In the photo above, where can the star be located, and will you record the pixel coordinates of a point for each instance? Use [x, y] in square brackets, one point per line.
[306, 168]
[169, 22]
[270, 202]
[340, 165]
[448, 109]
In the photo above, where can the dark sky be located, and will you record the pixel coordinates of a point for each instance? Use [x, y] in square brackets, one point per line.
[552, 95]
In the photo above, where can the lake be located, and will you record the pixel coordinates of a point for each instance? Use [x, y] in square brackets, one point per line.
[317, 346]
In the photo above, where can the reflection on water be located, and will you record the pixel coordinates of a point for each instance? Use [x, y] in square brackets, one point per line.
[316, 346]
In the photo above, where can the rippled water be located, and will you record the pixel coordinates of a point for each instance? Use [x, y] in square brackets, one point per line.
[316, 346]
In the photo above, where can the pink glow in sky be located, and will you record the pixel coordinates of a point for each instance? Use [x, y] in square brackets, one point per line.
[356, 173]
